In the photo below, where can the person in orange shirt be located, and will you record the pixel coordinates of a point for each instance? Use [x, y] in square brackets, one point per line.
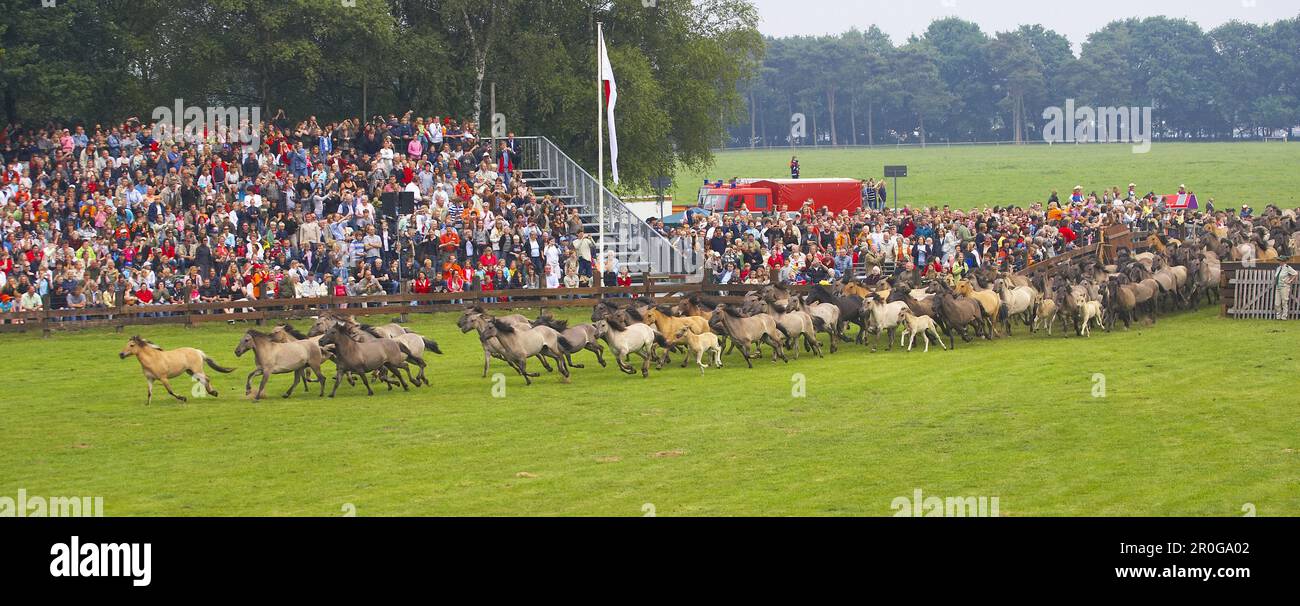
[451, 269]
[449, 241]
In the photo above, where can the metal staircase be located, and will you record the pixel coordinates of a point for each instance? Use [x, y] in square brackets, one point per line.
[548, 170]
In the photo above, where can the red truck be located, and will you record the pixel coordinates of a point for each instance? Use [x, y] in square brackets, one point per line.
[769, 195]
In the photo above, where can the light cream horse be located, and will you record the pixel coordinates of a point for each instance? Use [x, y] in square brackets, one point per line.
[161, 365]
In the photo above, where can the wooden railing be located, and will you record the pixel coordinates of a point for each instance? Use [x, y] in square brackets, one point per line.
[263, 310]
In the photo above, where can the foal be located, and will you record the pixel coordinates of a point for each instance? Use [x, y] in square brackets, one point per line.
[914, 325]
[701, 344]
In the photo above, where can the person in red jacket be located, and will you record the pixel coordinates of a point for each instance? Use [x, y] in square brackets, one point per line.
[625, 280]
[422, 285]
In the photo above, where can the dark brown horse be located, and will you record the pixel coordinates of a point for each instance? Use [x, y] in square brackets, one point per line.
[351, 354]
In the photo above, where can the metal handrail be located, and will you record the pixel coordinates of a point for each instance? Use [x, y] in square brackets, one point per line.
[633, 240]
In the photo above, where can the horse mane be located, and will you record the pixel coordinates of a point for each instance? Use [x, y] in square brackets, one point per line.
[667, 310]
[145, 342]
[635, 314]
[732, 311]
[615, 324]
[503, 326]
[644, 300]
[372, 331]
[293, 332]
[551, 322]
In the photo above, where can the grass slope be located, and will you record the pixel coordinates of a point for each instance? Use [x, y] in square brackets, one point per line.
[1197, 420]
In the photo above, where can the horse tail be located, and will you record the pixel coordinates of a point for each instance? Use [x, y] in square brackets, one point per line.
[410, 355]
[782, 329]
[565, 344]
[819, 324]
[213, 364]
[431, 345]
[661, 340]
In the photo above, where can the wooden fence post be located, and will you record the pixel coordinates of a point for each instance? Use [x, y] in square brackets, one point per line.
[45, 323]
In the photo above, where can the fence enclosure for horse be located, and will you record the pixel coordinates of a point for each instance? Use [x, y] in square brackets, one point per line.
[1248, 292]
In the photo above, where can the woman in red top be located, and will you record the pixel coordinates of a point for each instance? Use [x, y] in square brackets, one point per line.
[422, 285]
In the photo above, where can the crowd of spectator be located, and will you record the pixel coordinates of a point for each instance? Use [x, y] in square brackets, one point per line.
[810, 245]
[131, 214]
[125, 214]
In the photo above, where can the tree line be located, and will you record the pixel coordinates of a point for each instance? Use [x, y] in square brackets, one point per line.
[957, 83]
[678, 64]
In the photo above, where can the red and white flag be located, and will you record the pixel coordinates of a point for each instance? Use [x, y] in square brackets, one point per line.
[611, 98]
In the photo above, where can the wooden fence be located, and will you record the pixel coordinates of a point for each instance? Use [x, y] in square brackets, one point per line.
[1248, 292]
[260, 311]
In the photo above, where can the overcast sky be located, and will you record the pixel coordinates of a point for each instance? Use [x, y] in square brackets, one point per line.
[902, 18]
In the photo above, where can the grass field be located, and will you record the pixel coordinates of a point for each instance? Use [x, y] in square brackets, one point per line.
[972, 176]
[1197, 419]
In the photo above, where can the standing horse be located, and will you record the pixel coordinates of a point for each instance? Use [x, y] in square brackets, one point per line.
[1145, 288]
[274, 357]
[161, 365]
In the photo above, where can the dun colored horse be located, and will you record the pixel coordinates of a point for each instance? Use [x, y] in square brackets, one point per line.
[574, 339]
[274, 357]
[745, 330]
[353, 355]
[160, 365]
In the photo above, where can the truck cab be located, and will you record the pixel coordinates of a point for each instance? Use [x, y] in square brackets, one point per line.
[733, 199]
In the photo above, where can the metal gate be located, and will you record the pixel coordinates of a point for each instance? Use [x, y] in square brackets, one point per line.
[1253, 295]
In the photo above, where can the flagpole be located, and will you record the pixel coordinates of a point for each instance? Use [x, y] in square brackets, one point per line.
[600, 153]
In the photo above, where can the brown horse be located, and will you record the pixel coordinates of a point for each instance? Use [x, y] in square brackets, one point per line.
[161, 365]
[354, 355]
[276, 357]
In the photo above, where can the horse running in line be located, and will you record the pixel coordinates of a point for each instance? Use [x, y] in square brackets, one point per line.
[160, 365]
[882, 317]
[957, 314]
[351, 354]
[520, 342]
[475, 318]
[626, 338]
[746, 330]
[274, 357]
[574, 339]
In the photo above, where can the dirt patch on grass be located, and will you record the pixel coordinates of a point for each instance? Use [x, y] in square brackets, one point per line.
[669, 453]
[525, 474]
[608, 459]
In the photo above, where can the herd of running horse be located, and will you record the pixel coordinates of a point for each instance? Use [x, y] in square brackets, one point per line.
[1083, 292]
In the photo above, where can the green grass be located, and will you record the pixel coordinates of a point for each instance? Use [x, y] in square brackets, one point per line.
[973, 176]
[1197, 420]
